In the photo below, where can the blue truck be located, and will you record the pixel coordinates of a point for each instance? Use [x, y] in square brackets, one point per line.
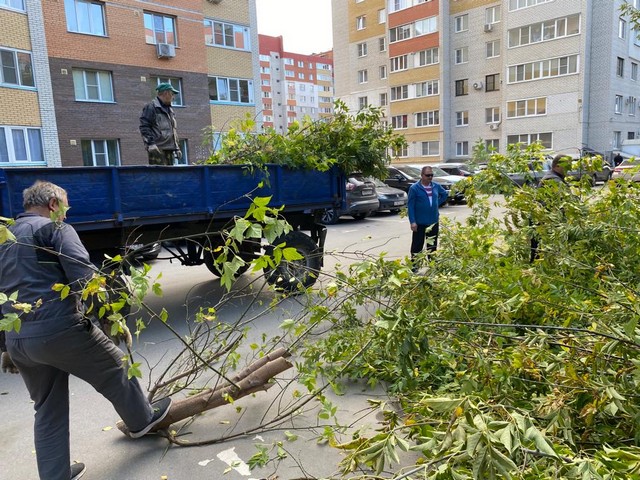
[187, 207]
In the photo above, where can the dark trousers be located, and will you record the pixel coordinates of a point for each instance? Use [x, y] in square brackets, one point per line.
[165, 157]
[428, 232]
[45, 364]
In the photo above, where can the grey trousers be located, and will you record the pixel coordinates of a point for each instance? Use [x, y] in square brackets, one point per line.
[45, 364]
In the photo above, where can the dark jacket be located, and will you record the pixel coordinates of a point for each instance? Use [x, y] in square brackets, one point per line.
[552, 176]
[45, 253]
[158, 126]
[419, 209]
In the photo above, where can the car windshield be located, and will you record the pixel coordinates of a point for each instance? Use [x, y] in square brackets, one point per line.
[376, 182]
[411, 171]
[438, 172]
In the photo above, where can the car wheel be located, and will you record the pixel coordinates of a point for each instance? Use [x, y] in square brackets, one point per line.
[360, 216]
[394, 211]
[291, 275]
[330, 216]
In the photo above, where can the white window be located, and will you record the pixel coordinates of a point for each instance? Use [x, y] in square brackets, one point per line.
[400, 152]
[301, 75]
[265, 58]
[267, 118]
[622, 28]
[493, 145]
[545, 31]
[382, 44]
[425, 26]
[462, 149]
[231, 90]
[361, 22]
[553, 67]
[229, 35]
[528, 107]
[175, 83]
[428, 88]
[431, 149]
[15, 4]
[461, 55]
[100, 153]
[16, 68]
[20, 144]
[634, 71]
[492, 114]
[546, 139]
[428, 119]
[92, 86]
[399, 122]
[300, 64]
[461, 23]
[382, 16]
[382, 69]
[620, 67]
[362, 102]
[362, 49]
[518, 4]
[288, 61]
[462, 119]
[396, 34]
[159, 29]
[395, 5]
[383, 99]
[85, 17]
[427, 57]
[492, 14]
[618, 104]
[363, 76]
[632, 106]
[267, 95]
[400, 92]
[617, 139]
[493, 48]
[398, 63]
[289, 73]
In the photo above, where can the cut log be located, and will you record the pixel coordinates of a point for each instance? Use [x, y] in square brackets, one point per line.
[252, 379]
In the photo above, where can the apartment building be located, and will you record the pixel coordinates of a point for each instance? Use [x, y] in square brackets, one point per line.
[293, 85]
[563, 73]
[76, 74]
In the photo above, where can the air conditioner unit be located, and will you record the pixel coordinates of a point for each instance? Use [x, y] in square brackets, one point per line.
[477, 85]
[488, 27]
[494, 126]
[165, 50]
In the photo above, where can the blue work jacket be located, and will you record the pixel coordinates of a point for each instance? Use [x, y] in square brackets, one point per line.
[420, 210]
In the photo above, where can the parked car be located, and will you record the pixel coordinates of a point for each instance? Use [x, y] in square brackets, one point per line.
[629, 169]
[533, 176]
[602, 175]
[392, 199]
[454, 168]
[440, 176]
[403, 176]
[362, 200]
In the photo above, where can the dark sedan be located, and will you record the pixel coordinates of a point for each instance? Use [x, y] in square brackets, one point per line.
[392, 199]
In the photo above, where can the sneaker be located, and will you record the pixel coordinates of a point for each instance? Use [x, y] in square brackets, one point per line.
[77, 470]
[160, 410]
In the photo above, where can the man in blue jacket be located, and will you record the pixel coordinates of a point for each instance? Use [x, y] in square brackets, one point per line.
[425, 198]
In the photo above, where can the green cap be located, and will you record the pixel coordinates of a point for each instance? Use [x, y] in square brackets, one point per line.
[164, 87]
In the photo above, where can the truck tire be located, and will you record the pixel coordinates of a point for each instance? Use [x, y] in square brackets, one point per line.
[247, 254]
[296, 274]
[330, 216]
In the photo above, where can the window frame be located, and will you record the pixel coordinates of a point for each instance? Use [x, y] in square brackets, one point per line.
[462, 118]
[462, 148]
[6, 4]
[210, 32]
[151, 16]
[85, 86]
[492, 82]
[462, 87]
[362, 49]
[73, 24]
[229, 80]
[18, 67]
[428, 144]
[363, 76]
[530, 107]
[461, 23]
[8, 146]
[430, 118]
[176, 83]
[92, 143]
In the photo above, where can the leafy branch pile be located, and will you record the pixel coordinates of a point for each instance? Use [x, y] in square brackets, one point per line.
[358, 142]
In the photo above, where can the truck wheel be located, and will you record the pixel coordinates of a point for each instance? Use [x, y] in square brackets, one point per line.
[329, 216]
[247, 253]
[295, 274]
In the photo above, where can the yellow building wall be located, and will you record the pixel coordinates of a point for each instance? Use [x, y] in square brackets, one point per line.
[19, 107]
[14, 30]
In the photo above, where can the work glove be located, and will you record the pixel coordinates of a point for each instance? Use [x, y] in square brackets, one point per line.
[7, 364]
[153, 149]
[179, 154]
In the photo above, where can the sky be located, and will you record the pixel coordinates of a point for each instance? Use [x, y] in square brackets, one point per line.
[305, 25]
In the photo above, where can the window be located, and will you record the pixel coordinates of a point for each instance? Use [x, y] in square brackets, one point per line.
[100, 153]
[617, 139]
[289, 73]
[383, 99]
[544, 31]
[159, 29]
[363, 76]
[492, 145]
[361, 22]
[553, 67]
[462, 149]
[492, 114]
[175, 83]
[228, 35]
[493, 49]
[398, 63]
[84, 17]
[431, 149]
[301, 75]
[16, 68]
[395, 5]
[427, 57]
[382, 69]
[632, 106]
[288, 61]
[546, 139]
[529, 107]
[425, 26]
[620, 67]
[622, 28]
[20, 144]
[634, 71]
[300, 64]
[382, 16]
[265, 58]
[461, 55]
[631, 135]
[397, 34]
[462, 119]
[428, 88]
[492, 82]
[267, 106]
[399, 121]
[362, 102]
[428, 119]
[362, 49]
[265, 70]
[400, 93]
[462, 87]
[15, 4]
[382, 44]
[461, 23]
[618, 104]
[492, 14]
[92, 86]
[518, 4]
[231, 90]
